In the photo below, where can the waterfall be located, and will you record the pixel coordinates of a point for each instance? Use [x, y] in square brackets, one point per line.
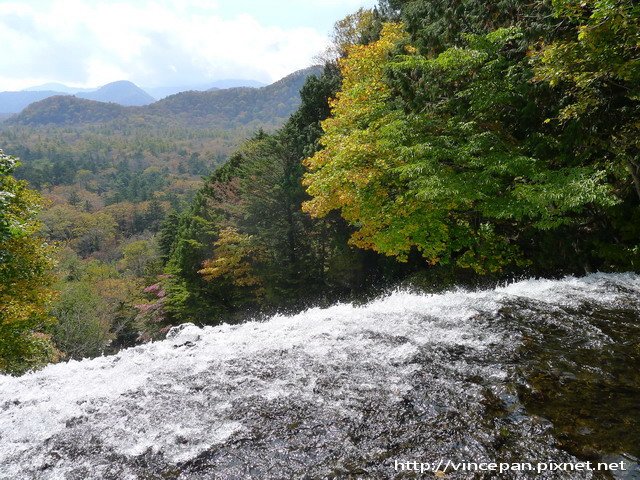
[349, 391]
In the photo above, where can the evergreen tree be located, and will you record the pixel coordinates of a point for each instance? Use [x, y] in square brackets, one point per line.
[154, 215]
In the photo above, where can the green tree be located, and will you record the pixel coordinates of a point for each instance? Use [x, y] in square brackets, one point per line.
[594, 68]
[450, 155]
[154, 215]
[249, 215]
[141, 258]
[436, 25]
[25, 277]
[597, 69]
[82, 330]
[96, 309]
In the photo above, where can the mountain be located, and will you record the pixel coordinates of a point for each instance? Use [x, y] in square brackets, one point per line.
[58, 87]
[122, 92]
[231, 107]
[240, 105]
[162, 92]
[66, 109]
[236, 82]
[14, 102]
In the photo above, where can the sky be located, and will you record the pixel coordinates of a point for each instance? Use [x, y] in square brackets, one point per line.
[154, 43]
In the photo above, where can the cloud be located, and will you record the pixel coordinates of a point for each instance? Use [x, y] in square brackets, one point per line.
[152, 43]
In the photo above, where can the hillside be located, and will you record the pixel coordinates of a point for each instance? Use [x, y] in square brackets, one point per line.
[65, 109]
[163, 92]
[240, 105]
[223, 108]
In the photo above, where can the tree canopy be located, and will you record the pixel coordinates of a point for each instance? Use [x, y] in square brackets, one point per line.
[25, 277]
[470, 154]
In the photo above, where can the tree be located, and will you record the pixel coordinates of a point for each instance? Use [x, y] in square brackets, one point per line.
[245, 241]
[25, 277]
[94, 232]
[449, 155]
[154, 215]
[358, 28]
[233, 261]
[598, 71]
[141, 258]
[96, 308]
[82, 330]
[594, 69]
[436, 25]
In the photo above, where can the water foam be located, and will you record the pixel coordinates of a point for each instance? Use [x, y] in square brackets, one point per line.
[206, 391]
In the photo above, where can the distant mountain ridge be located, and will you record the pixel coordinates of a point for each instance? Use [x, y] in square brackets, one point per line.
[233, 106]
[57, 87]
[121, 92]
[163, 92]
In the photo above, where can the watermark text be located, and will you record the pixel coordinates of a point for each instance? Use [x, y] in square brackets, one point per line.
[447, 466]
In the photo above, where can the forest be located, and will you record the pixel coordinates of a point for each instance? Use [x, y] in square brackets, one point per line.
[441, 143]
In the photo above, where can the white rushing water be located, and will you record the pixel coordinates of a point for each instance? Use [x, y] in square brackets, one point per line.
[327, 393]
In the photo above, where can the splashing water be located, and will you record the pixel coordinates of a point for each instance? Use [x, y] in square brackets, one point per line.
[535, 371]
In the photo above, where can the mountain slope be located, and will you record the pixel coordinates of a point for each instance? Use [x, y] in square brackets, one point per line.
[122, 92]
[65, 109]
[163, 92]
[236, 82]
[241, 105]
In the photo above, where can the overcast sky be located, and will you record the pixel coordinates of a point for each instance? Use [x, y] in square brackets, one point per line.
[87, 43]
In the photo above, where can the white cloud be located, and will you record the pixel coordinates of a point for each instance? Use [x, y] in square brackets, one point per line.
[149, 42]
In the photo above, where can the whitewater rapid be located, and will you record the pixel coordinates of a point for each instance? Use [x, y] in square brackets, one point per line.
[340, 392]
